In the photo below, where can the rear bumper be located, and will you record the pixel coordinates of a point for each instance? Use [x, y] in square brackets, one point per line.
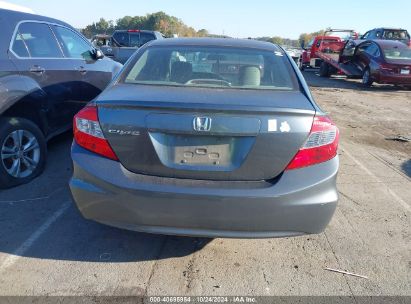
[395, 79]
[299, 202]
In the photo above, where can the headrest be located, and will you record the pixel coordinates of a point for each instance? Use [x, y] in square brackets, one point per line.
[181, 71]
[250, 76]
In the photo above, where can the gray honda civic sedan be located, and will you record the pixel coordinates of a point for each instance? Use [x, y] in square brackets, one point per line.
[207, 137]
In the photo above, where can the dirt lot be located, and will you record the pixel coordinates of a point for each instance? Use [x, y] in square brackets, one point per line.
[369, 117]
[46, 248]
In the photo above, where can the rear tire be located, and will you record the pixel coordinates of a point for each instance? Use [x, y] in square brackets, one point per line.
[325, 69]
[22, 151]
[366, 78]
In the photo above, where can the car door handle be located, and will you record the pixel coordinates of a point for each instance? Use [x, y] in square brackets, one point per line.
[82, 70]
[36, 69]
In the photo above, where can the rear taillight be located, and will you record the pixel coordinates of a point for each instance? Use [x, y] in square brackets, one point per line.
[320, 146]
[386, 67]
[88, 133]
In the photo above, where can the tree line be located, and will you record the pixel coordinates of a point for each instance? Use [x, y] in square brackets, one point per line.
[160, 21]
[170, 25]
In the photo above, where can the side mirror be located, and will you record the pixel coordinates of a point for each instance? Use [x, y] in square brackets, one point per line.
[97, 54]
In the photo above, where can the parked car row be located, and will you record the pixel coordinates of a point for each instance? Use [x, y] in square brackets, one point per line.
[49, 71]
[123, 43]
[293, 52]
[385, 60]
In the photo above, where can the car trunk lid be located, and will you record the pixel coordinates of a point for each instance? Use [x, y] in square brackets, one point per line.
[210, 134]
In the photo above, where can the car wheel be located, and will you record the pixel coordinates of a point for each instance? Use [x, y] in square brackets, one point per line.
[324, 69]
[366, 78]
[22, 151]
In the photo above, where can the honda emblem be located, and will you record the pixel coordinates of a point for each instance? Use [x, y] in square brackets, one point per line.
[202, 124]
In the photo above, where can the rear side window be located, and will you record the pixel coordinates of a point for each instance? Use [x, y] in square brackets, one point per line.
[146, 37]
[135, 39]
[36, 40]
[19, 47]
[225, 67]
[140, 38]
[122, 38]
[366, 35]
[73, 45]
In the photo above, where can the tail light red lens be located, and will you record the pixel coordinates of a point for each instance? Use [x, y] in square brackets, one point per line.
[320, 146]
[388, 68]
[88, 133]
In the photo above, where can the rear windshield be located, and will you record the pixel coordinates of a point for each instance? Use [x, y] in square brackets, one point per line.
[397, 54]
[396, 35]
[122, 39]
[212, 67]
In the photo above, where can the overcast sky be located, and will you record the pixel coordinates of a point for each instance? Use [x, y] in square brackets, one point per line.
[239, 18]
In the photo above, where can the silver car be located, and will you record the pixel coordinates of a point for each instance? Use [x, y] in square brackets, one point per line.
[207, 137]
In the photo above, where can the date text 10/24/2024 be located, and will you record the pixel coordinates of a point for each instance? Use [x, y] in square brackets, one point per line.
[203, 299]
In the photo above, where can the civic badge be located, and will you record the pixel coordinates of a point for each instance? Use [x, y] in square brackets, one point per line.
[202, 124]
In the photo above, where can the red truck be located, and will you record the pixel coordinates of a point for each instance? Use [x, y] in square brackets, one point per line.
[309, 56]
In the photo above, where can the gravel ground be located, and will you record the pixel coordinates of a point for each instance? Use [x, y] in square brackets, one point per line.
[47, 248]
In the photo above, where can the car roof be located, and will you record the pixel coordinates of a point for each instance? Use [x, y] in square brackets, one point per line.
[9, 20]
[218, 42]
[15, 17]
[389, 29]
[135, 31]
